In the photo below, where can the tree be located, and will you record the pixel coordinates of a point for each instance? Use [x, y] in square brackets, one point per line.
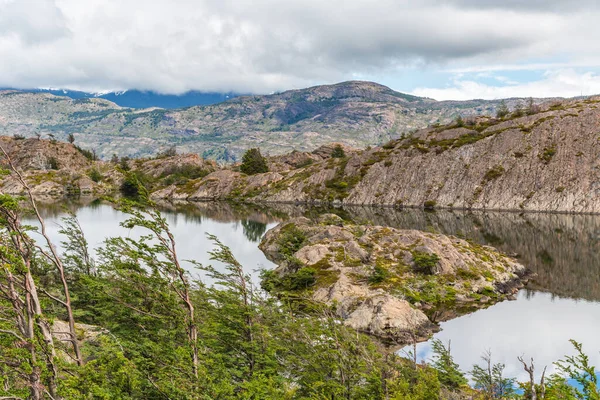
[579, 369]
[459, 121]
[448, 372]
[338, 152]
[490, 379]
[502, 110]
[253, 163]
[71, 138]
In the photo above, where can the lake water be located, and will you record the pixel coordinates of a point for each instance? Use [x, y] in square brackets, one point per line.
[561, 302]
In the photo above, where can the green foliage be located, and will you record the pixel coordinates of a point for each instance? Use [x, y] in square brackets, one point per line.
[425, 263]
[502, 110]
[132, 186]
[490, 379]
[338, 152]
[448, 372]
[253, 162]
[95, 175]
[181, 174]
[579, 369]
[493, 173]
[378, 275]
[547, 154]
[290, 240]
[303, 278]
[429, 204]
[90, 155]
[71, 138]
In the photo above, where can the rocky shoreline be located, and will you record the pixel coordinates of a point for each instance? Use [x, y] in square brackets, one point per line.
[393, 284]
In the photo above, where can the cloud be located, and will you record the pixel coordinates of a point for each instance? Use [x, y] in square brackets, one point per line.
[266, 45]
[560, 83]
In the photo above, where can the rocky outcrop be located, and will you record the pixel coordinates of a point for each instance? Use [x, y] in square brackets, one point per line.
[542, 162]
[387, 282]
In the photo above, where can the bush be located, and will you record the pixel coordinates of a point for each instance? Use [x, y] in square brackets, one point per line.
[86, 153]
[95, 175]
[429, 204]
[180, 174]
[378, 275]
[291, 240]
[124, 164]
[425, 263]
[338, 152]
[253, 163]
[493, 173]
[548, 153]
[131, 186]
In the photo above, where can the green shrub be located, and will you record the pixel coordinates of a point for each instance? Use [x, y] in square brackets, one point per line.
[425, 263]
[291, 240]
[548, 153]
[180, 174]
[90, 155]
[95, 175]
[378, 275]
[338, 152]
[253, 163]
[493, 173]
[132, 185]
[429, 204]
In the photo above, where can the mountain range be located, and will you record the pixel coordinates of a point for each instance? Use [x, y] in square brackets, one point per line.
[143, 98]
[357, 114]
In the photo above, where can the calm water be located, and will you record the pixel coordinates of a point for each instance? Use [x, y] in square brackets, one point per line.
[562, 302]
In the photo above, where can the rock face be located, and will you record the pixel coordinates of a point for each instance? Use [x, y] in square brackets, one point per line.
[387, 282]
[547, 161]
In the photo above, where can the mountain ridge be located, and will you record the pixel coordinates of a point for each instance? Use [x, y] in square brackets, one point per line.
[358, 114]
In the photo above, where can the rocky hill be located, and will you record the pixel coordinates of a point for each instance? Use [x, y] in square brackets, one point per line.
[358, 114]
[545, 161]
[383, 281]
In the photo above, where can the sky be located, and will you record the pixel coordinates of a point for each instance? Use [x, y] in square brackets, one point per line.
[443, 49]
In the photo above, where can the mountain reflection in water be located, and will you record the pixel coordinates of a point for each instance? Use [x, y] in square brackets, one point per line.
[560, 303]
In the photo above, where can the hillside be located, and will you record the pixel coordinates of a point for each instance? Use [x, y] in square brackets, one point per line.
[545, 162]
[358, 114]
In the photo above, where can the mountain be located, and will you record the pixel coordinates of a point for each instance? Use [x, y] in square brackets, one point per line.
[144, 99]
[358, 114]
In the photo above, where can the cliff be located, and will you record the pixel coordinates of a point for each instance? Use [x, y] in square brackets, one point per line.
[547, 161]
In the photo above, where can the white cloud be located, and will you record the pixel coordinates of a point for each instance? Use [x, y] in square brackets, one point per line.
[559, 83]
[266, 45]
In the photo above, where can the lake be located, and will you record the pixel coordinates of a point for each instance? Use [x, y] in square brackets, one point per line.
[561, 302]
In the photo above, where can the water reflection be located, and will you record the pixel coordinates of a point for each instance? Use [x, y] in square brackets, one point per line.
[100, 220]
[559, 304]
